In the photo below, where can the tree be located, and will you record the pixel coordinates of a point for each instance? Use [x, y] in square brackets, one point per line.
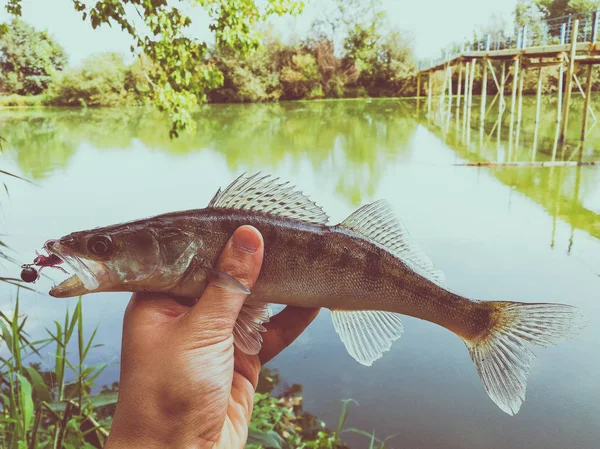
[184, 73]
[27, 59]
[559, 8]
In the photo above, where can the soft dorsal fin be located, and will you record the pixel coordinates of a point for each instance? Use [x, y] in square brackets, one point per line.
[262, 193]
[376, 221]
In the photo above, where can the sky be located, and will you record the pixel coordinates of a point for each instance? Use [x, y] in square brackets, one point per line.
[433, 23]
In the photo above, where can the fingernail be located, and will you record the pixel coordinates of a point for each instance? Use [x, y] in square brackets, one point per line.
[246, 239]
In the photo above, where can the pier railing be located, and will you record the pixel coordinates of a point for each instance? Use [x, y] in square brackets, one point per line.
[556, 31]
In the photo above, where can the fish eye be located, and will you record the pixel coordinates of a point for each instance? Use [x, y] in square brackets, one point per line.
[100, 245]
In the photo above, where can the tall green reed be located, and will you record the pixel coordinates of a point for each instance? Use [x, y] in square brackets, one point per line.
[51, 408]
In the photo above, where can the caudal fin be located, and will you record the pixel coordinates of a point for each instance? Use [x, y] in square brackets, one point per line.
[502, 357]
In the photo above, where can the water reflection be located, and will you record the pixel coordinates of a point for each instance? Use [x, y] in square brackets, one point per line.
[351, 141]
[560, 190]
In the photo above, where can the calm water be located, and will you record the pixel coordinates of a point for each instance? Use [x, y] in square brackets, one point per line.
[528, 234]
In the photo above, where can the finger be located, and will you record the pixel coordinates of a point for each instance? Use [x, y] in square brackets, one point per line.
[241, 258]
[284, 328]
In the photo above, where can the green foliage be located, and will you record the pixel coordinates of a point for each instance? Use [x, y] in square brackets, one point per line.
[102, 80]
[558, 8]
[300, 76]
[177, 72]
[185, 71]
[27, 59]
[53, 408]
[253, 78]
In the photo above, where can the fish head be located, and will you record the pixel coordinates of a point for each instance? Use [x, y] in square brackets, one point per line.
[118, 258]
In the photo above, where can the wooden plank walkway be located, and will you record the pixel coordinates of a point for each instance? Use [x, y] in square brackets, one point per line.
[564, 44]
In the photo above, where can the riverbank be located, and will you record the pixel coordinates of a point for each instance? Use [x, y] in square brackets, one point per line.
[23, 100]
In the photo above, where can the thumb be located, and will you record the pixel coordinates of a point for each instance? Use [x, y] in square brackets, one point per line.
[218, 308]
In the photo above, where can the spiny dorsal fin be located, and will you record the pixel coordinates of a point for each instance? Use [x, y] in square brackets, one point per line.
[262, 193]
[367, 334]
[377, 222]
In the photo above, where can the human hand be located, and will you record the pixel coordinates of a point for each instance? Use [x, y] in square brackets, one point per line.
[183, 383]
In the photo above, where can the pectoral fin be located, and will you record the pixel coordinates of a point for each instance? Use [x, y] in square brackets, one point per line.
[225, 281]
[249, 325]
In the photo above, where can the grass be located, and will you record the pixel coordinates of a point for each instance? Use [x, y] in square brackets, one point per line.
[55, 408]
[22, 100]
[50, 408]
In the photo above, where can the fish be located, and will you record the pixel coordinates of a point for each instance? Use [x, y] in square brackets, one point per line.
[366, 270]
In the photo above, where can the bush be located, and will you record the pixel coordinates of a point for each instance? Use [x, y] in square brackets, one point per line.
[102, 80]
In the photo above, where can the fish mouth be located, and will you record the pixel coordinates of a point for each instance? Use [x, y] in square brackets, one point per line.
[85, 277]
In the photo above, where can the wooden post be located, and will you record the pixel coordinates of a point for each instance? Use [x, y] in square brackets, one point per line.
[568, 84]
[519, 109]
[561, 70]
[586, 105]
[443, 94]
[470, 101]
[429, 94]
[466, 95]
[449, 113]
[513, 102]
[520, 100]
[501, 105]
[537, 113]
[418, 94]
[458, 87]
[483, 92]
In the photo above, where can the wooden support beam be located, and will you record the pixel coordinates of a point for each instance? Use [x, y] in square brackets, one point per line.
[449, 112]
[443, 92]
[568, 84]
[513, 104]
[458, 88]
[483, 94]
[535, 65]
[466, 95]
[493, 72]
[559, 92]
[583, 95]
[418, 85]
[538, 105]
[519, 110]
[429, 94]
[502, 103]
[588, 92]
[470, 101]
[585, 60]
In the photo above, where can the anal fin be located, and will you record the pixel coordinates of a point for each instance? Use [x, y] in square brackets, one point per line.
[249, 326]
[367, 334]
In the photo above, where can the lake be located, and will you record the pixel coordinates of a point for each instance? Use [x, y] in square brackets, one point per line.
[509, 233]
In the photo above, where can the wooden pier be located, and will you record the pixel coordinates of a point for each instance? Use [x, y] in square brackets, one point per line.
[565, 44]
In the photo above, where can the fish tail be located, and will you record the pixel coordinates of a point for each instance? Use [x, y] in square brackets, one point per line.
[501, 354]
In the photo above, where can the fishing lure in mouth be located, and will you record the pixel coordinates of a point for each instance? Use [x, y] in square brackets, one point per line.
[30, 274]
